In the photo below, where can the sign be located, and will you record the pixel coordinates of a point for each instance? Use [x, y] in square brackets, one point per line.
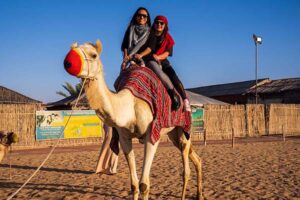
[198, 118]
[80, 124]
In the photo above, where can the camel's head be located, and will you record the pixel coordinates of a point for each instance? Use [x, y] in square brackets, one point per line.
[8, 138]
[83, 61]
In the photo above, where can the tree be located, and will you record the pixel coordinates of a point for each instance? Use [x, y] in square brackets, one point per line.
[73, 91]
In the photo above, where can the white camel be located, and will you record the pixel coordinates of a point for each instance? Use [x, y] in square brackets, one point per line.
[131, 116]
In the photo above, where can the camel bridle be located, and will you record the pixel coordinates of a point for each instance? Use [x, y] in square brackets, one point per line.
[90, 63]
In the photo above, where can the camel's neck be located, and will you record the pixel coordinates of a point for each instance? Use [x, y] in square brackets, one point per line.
[100, 99]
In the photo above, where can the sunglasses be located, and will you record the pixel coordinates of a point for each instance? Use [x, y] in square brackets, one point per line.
[142, 15]
[159, 23]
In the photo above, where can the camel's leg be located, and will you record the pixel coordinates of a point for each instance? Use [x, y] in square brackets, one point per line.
[198, 166]
[185, 148]
[126, 144]
[149, 152]
[179, 140]
[3, 150]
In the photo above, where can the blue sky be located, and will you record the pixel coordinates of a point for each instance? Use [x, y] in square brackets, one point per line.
[213, 39]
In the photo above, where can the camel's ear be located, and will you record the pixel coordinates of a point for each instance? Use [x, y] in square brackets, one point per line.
[74, 45]
[99, 46]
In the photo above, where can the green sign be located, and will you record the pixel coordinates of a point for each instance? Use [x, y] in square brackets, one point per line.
[198, 118]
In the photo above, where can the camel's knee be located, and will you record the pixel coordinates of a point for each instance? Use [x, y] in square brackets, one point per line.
[143, 187]
[185, 146]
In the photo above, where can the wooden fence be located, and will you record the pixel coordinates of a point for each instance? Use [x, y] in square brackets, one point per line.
[219, 122]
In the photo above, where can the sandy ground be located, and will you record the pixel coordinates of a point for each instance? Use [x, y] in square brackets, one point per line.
[260, 170]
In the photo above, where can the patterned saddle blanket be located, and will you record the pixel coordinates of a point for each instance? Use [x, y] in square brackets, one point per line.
[144, 84]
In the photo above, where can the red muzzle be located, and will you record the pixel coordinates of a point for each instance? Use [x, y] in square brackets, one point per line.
[73, 63]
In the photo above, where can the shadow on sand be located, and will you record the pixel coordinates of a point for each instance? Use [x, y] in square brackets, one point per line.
[47, 169]
[59, 187]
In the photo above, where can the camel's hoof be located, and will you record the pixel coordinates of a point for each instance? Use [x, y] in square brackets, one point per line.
[200, 197]
[143, 187]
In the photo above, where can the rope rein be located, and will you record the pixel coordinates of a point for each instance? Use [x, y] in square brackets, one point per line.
[53, 148]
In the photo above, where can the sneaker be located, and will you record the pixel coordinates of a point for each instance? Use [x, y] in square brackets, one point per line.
[132, 62]
[142, 64]
[187, 105]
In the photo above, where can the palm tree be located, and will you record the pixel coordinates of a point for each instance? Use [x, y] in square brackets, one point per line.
[73, 91]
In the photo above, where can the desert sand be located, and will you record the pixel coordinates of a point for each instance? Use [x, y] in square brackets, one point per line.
[260, 170]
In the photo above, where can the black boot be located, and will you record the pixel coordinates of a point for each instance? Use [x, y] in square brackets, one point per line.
[175, 99]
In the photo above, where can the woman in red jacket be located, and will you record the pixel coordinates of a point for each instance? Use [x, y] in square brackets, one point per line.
[159, 48]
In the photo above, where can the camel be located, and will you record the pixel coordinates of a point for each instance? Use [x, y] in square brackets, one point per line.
[131, 116]
[5, 141]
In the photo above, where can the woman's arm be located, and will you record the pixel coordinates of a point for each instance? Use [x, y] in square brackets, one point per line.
[151, 42]
[162, 56]
[125, 54]
[125, 59]
[146, 52]
[125, 42]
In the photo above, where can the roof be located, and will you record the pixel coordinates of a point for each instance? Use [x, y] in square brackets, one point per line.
[10, 96]
[226, 89]
[195, 99]
[198, 99]
[70, 101]
[277, 86]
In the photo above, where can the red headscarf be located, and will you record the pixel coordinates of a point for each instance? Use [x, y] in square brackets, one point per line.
[168, 41]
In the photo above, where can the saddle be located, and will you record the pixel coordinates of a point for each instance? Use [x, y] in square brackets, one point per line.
[144, 83]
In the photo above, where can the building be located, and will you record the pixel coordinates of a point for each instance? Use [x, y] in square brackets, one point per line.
[8, 96]
[68, 103]
[232, 93]
[268, 91]
[17, 114]
[286, 91]
[200, 100]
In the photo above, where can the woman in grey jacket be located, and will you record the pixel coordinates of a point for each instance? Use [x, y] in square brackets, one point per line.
[136, 35]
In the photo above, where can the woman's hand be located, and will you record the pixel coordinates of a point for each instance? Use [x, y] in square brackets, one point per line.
[156, 57]
[126, 59]
[124, 62]
[138, 56]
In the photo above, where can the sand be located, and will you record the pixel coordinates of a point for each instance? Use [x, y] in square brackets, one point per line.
[261, 170]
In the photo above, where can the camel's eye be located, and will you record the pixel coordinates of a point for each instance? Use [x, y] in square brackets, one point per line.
[94, 56]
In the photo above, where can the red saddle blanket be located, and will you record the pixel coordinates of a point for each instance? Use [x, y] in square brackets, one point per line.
[144, 84]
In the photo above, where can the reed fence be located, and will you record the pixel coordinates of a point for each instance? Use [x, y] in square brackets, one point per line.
[20, 118]
[284, 118]
[219, 123]
[251, 120]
